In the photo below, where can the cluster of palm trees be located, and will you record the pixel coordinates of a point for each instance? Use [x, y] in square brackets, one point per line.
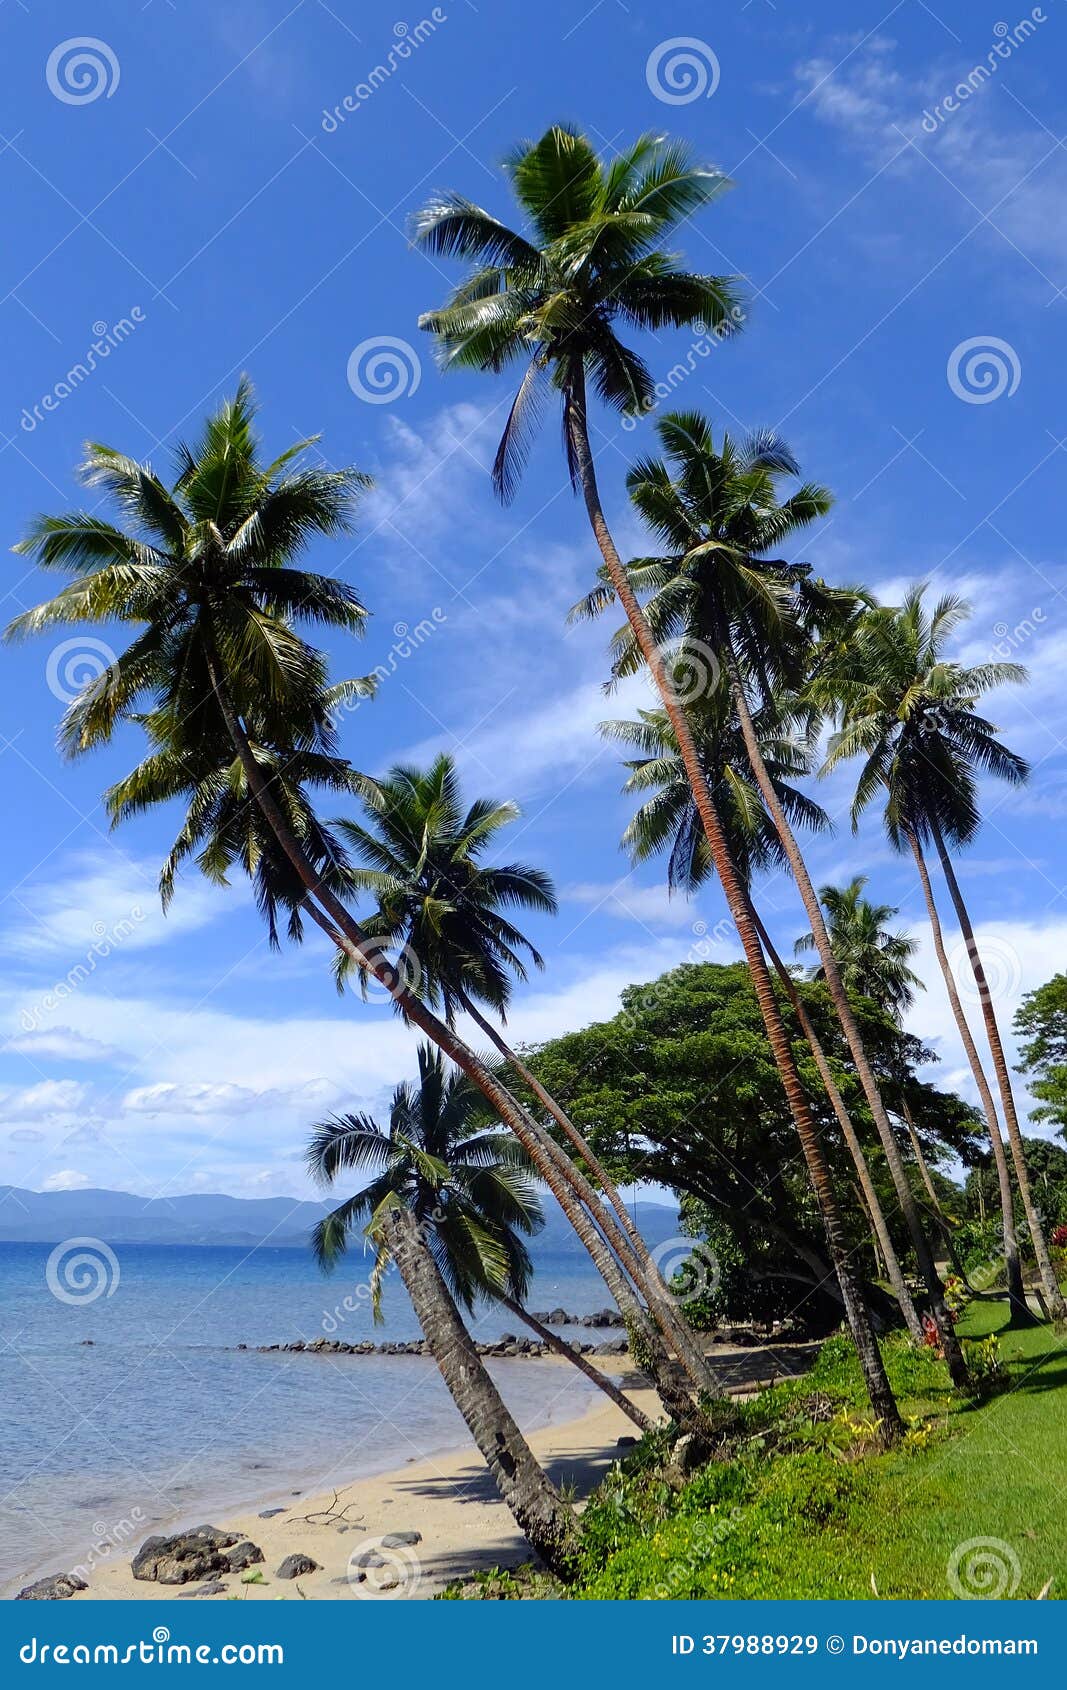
[240, 716]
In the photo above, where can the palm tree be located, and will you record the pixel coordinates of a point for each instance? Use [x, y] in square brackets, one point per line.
[874, 962]
[910, 711]
[552, 298]
[718, 511]
[207, 574]
[438, 901]
[667, 819]
[448, 1205]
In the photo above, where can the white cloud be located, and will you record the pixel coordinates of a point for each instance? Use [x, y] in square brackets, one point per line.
[165, 1098]
[68, 1179]
[984, 157]
[62, 1043]
[651, 906]
[46, 1101]
[1019, 956]
[100, 903]
[425, 484]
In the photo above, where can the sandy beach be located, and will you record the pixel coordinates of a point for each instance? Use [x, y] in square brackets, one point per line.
[448, 1499]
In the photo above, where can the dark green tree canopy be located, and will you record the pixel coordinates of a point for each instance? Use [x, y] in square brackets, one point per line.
[1042, 1021]
[680, 1089]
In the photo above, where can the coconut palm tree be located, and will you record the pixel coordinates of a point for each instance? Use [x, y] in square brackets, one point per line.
[667, 820]
[552, 298]
[873, 961]
[718, 510]
[448, 1206]
[909, 710]
[437, 900]
[207, 575]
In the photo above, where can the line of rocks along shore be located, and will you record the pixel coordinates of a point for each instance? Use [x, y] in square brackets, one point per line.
[508, 1344]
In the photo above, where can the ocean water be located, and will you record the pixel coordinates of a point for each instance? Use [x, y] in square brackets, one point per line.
[158, 1419]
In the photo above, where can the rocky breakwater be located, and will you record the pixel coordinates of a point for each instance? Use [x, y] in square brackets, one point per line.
[508, 1344]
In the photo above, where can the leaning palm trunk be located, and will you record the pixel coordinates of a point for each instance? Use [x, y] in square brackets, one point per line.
[329, 913]
[893, 1269]
[859, 1320]
[560, 1347]
[950, 1344]
[920, 1160]
[627, 1242]
[1012, 1268]
[533, 1499]
[936, 1208]
[1056, 1304]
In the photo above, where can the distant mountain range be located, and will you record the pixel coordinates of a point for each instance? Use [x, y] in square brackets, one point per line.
[118, 1217]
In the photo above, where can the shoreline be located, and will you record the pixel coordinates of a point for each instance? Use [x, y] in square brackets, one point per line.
[446, 1499]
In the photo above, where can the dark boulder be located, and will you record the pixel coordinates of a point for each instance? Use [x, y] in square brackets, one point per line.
[57, 1588]
[296, 1565]
[185, 1557]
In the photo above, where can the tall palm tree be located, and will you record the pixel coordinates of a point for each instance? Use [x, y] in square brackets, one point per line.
[552, 298]
[438, 900]
[207, 575]
[448, 1206]
[667, 819]
[874, 961]
[718, 511]
[910, 712]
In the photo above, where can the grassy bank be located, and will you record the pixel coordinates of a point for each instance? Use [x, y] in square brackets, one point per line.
[808, 1507]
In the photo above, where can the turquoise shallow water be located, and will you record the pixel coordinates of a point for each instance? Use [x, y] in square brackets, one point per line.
[159, 1418]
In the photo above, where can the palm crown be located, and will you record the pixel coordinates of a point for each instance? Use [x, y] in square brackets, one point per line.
[224, 826]
[554, 297]
[910, 711]
[718, 510]
[668, 818]
[205, 573]
[469, 1187]
[873, 961]
[422, 852]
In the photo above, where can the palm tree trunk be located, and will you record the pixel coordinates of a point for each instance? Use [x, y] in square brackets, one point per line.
[523, 1484]
[627, 1243]
[940, 1219]
[950, 1345]
[920, 1159]
[560, 1347]
[1053, 1294]
[894, 1272]
[554, 1167]
[1012, 1268]
[859, 1320]
[879, 1264]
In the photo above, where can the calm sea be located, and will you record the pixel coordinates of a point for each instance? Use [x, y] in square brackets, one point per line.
[159, 1419]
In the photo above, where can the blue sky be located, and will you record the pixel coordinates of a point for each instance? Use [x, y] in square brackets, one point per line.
[203, 214]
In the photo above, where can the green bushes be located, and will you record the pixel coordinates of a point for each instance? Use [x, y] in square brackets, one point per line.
[803, 1504]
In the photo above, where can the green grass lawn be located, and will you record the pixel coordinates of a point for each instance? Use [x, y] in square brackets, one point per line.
[807, 1509]
[1001, 1473]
